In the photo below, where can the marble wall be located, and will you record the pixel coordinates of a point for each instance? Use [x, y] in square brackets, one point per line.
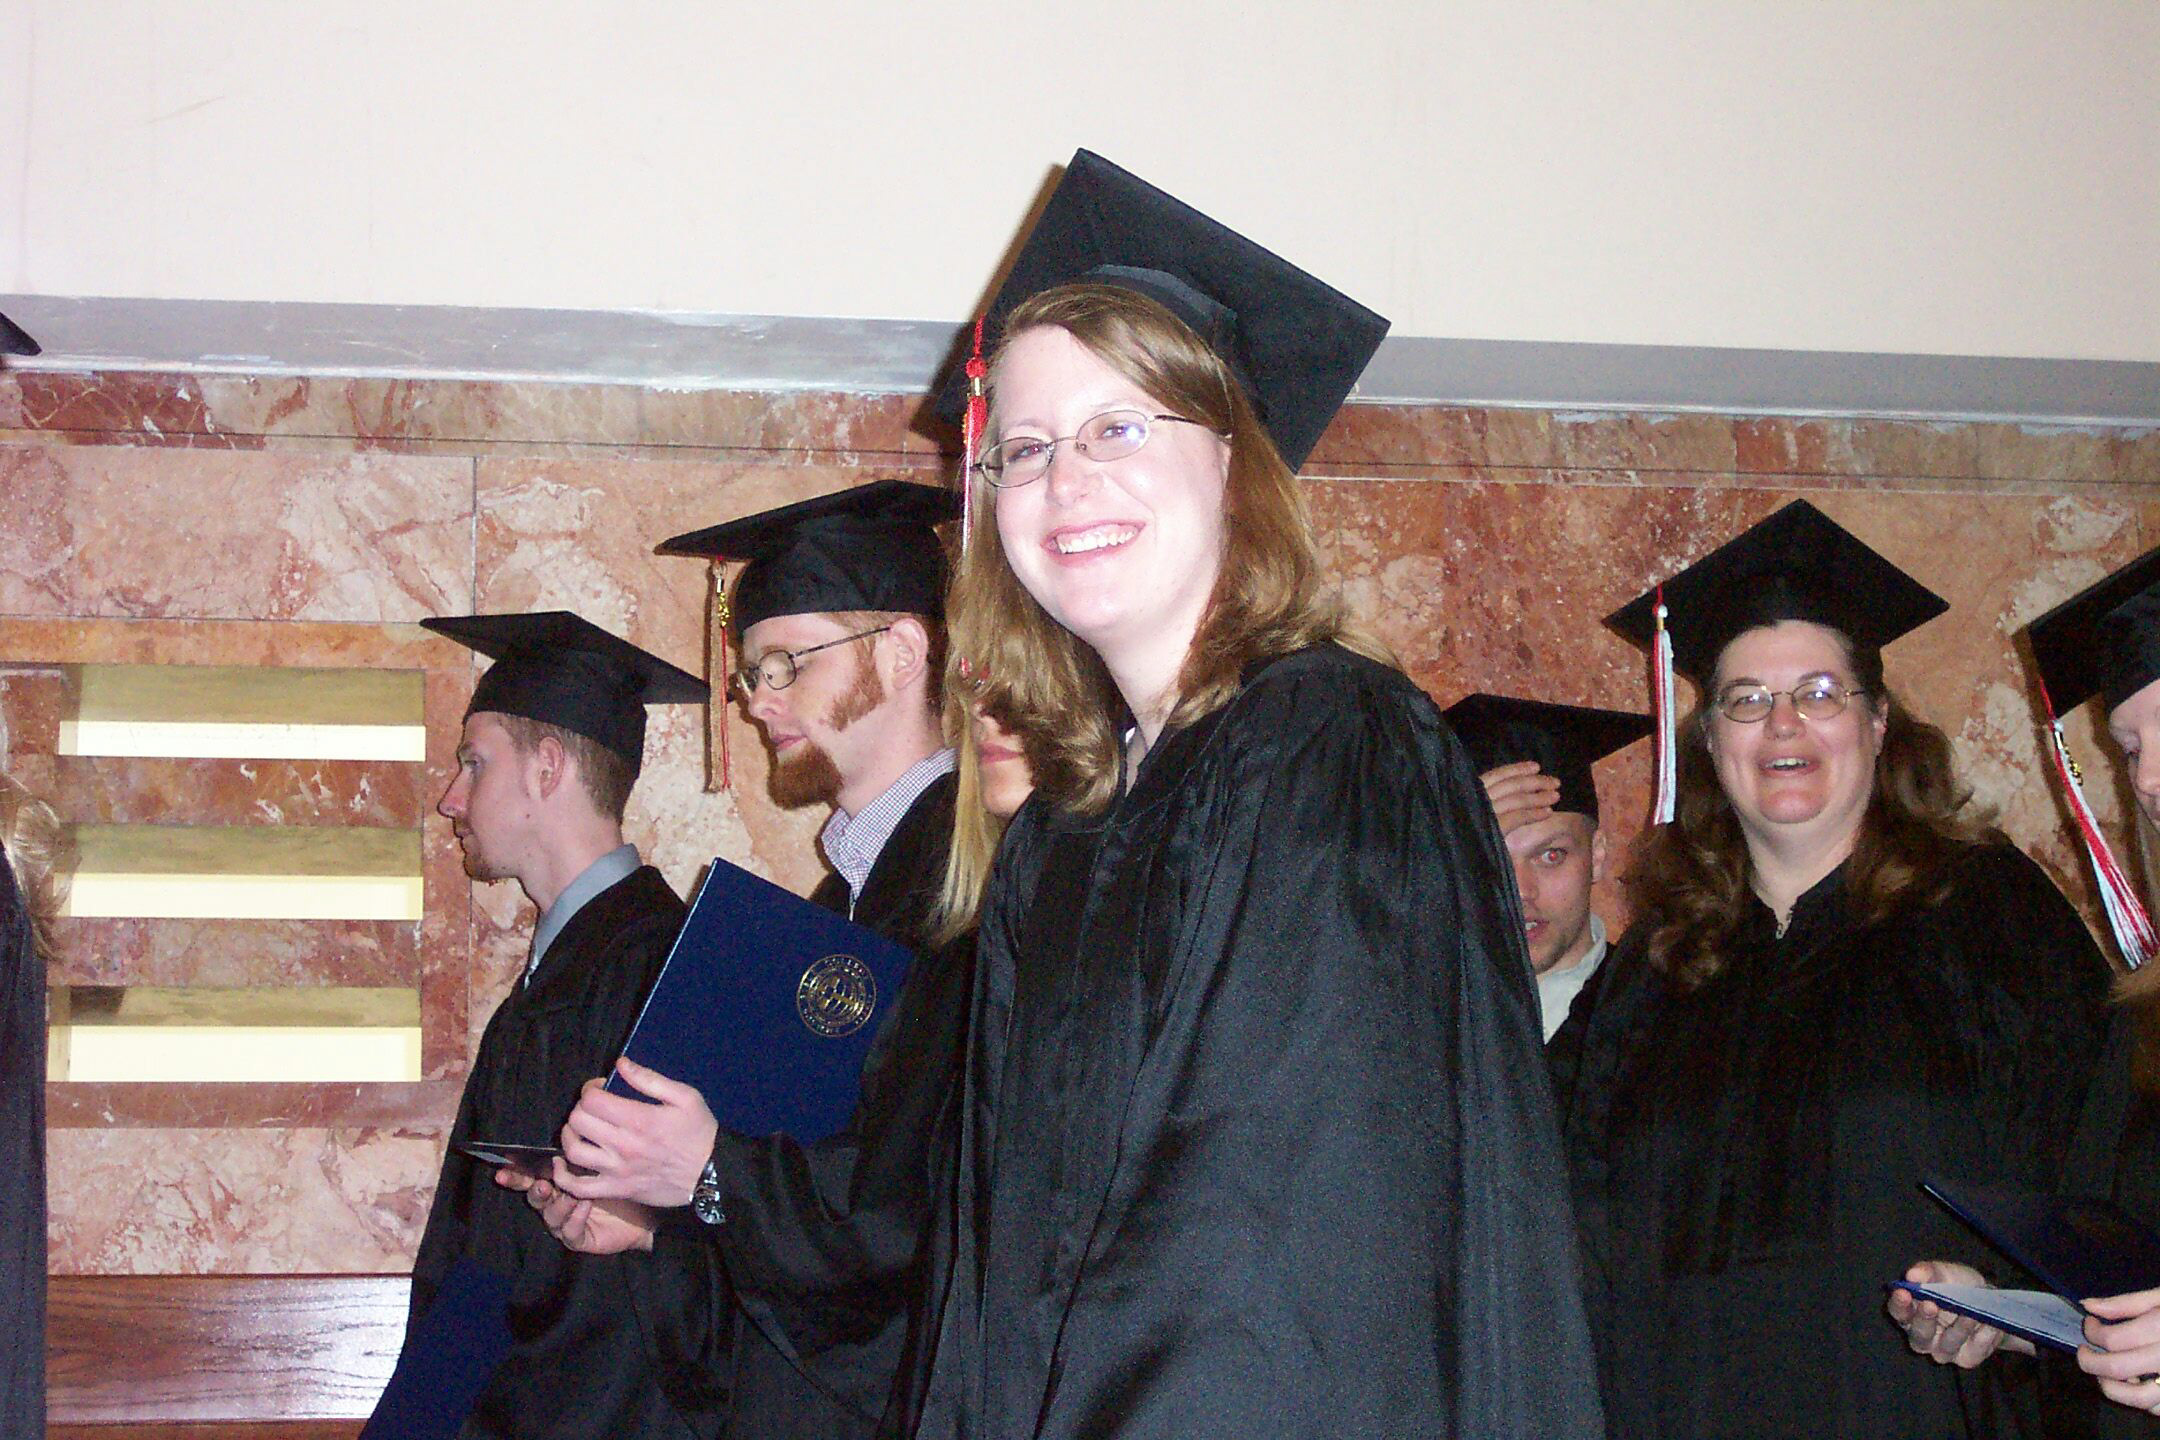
[312, 521]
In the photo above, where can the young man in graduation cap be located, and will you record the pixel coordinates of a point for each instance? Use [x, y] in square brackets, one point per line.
[553, 741]
[1535, 761]
[838, 613]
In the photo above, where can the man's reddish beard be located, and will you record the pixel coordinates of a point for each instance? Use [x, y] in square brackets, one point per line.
[806, 775]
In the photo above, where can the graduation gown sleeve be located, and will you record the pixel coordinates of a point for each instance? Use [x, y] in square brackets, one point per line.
[582, 1361]
[1270, 1147]
[823, 1242]
[22, 1162]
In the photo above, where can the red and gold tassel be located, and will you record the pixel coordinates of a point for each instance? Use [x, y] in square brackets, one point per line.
[972, 426]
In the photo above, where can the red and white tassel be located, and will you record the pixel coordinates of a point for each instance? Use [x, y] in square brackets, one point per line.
[2126, 913]
[1661, 697]
[972, 426]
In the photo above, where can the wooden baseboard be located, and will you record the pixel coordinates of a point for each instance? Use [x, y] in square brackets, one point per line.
[206, 1352]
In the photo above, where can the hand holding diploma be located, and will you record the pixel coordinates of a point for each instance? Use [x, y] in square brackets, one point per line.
[592, 1227]
[652, 1153]
[1945, 1336]
[2127, 1336]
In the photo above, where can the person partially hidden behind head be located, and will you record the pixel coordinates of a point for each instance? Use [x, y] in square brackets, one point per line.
[838, 611]
[552, 743]
[1535, 759]
[31, 843]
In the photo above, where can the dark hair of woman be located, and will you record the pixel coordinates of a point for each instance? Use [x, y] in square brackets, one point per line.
[1689, 883]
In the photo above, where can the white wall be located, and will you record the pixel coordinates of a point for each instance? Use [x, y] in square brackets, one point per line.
[1891, 175]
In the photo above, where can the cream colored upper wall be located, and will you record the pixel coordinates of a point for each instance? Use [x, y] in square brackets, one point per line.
[1960, 178]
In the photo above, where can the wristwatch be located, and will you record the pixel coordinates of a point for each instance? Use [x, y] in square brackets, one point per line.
[705, 1196]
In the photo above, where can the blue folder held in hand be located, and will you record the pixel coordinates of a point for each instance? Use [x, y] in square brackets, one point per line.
[768, 1005]
[449, 1355]
[2078, 1248]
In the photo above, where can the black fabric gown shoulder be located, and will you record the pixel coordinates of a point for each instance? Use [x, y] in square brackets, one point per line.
[1258, 1138]
[22, 1168]
[1746, 1157]
[823, 1243]
[579, 1366]
[2118, 1156]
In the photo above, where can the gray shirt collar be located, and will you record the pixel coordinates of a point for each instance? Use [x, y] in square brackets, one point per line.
[617, 865]
[853, 842]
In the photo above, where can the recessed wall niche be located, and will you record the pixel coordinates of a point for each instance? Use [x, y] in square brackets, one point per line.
[255, 930]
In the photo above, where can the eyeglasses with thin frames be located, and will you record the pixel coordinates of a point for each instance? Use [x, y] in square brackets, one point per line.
[1112, 435]
[779, 668]
[1819, 698]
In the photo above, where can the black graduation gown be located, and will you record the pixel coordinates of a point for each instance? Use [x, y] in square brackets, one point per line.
[823, 1243]
[1746, 1157]
[1258, 1138]
[2118, 1156]
[22, 1167]
[579, 1365]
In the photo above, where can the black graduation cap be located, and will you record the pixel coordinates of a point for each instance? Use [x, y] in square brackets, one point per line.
[1565, 740]
[1797, 565]
[14, 340]
[869, 548]
[562, 669]
[1298, 344]
[2103, 640]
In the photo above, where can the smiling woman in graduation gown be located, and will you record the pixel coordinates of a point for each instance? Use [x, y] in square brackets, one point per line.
[1258, 1141]
[1748, 1116]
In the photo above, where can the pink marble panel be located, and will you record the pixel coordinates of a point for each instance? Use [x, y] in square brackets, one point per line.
[1688, 444]
[1791, 445]
[33, 700]
[136, 1202]
[123, 790]
[116, 532]
[236, 952]
[426, 1105]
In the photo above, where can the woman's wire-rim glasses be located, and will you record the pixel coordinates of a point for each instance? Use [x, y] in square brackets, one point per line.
[1816, 698]
[1112, 435]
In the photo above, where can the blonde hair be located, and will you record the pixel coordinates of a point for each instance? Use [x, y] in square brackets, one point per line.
[1269, 597]
[36, 846]
[975, 831]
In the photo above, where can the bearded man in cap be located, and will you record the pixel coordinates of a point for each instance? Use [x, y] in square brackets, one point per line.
[552, 744]
[838, 613]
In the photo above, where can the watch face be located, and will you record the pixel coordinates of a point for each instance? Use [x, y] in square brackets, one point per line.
[705, 1197]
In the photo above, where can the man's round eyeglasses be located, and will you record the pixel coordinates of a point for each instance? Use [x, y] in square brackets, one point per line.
[1818, 699]
[778, 668]
[1112, 435]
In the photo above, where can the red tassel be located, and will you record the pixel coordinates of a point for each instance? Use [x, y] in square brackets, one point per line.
[971, 434]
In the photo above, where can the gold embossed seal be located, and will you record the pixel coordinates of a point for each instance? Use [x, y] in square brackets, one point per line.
[836, 996]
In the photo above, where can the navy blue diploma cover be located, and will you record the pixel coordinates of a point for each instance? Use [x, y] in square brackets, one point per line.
[768, 1005]
[2078, 1248]
[449, 1354]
